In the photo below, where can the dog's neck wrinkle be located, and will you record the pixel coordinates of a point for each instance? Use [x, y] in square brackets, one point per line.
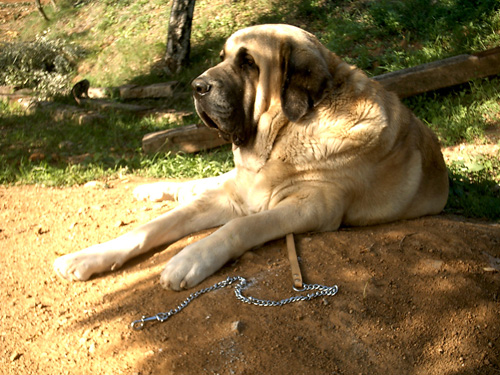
[259, 149]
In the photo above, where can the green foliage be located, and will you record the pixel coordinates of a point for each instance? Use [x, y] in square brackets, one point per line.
[388, 35]
[460, 114]
[45, 65]
[205, 164]
[475, 187]
[68, 153]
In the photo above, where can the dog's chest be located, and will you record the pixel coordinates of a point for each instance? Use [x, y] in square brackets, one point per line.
[254, 191]
[306, 146]
[261, 188]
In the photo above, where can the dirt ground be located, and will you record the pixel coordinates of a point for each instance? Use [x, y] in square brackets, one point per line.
[415, 297]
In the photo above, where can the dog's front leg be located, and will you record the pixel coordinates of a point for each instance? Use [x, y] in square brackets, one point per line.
[201, 259]
[183, 192]
[208, 211]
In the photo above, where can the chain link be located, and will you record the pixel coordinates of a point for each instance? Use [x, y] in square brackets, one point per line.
[241, 283]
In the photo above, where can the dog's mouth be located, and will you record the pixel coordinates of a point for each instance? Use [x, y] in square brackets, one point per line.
[232, 137]
[208, 120]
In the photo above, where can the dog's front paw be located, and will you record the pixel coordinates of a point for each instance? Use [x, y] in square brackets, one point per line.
[156, 192]
[187, 269]
[80, 266]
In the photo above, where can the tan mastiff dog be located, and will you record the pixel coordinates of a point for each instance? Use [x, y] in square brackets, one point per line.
[316, 144]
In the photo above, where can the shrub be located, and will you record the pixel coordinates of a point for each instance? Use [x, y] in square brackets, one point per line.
[43, 65]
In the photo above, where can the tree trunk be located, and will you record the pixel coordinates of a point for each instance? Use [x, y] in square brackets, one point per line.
[179, 35]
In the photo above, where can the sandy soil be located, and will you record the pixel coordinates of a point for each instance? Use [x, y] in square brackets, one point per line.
[415, 297]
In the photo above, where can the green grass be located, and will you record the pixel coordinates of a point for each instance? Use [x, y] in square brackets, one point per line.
[475, 187]
[460, 114]
[36, 149]
[123, 42]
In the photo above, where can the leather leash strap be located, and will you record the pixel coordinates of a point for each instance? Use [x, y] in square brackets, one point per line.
[294, 262]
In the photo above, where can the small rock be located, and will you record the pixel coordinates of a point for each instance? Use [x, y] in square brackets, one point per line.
[93, 184]
[490, 269]
[249, 255]
[237, 327]
[37, 156]
[65, 145]
[156, 90]
[119, 223]
[15, 356]
[41, 230]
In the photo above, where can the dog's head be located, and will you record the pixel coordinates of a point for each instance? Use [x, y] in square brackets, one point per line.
[262, 67]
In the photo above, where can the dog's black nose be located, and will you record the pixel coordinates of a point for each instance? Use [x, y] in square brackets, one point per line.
[200, 86]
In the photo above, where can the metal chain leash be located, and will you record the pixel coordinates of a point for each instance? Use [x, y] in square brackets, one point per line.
[241, 283]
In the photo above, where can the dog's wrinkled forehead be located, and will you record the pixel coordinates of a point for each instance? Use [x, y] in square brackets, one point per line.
[264, 40]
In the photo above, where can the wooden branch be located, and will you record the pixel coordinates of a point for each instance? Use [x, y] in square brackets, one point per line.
[191, 138]
[40, 9]
[443, 73]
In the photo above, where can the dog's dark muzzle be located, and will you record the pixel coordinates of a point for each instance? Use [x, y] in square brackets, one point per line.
[219, 107]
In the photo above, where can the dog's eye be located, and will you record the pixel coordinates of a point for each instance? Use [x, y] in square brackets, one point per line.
[247, 61]
[222, 55]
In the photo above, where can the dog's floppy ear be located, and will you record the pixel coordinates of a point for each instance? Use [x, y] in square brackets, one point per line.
[305, 80]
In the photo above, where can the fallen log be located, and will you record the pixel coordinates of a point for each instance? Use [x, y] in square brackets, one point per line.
[190, 138]
[127, 92]
[23, 97]
[96, 97]
[443, 73]
[156, 90]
